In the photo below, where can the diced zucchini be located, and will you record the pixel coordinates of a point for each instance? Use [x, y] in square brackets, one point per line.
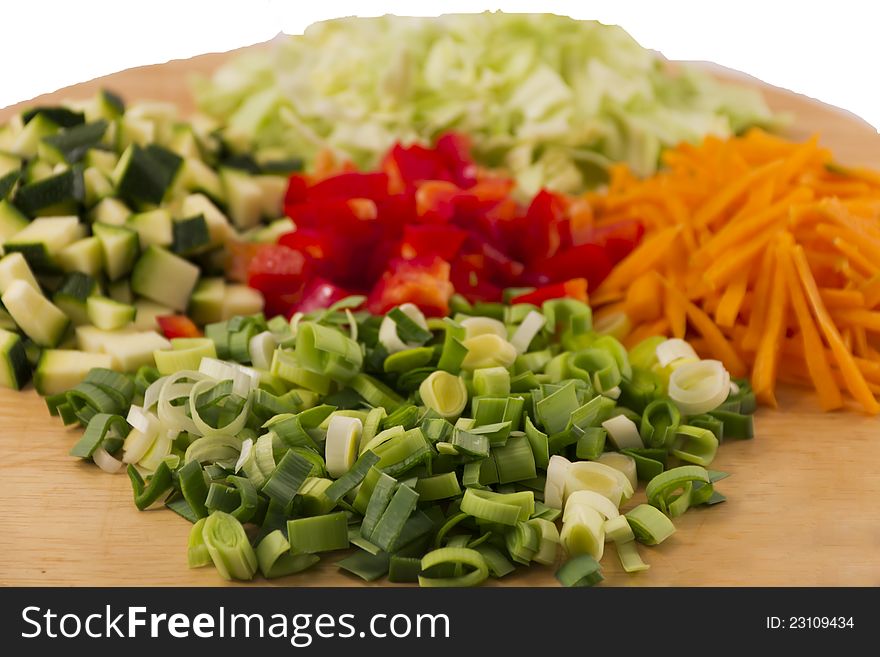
[244, 198]
[153, 227]
[35, 171]
[9, 163]
[184, 142]
[128, 350]
[206, 303]
[85, 255]
[103, 161]
[72, 144]
[147, 312]
[241, 300]
[120, 248]
[14, 267]
[8, 184]
[120, 291]
[270, 234]
[64, 117]
[218, 225]
[196, 176]
[110, 211]
[43, 238]
[15, 370]
[58, 194]
[60, 370]
[97, 186]
[108, 314]
[107, 105]
[144, 174]
[11, 220]
[6, 321]
[133, 131]
[164, 277]
[39, 319]
[191, 235]
[72, 295]
[273, 189]
[28, 140]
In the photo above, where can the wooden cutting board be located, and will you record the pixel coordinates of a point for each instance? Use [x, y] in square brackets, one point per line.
[802, 496]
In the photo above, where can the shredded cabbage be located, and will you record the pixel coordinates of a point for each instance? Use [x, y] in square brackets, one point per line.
[552, 99]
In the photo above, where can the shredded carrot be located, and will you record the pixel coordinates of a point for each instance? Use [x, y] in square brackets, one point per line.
[767, 356]
[753, 244]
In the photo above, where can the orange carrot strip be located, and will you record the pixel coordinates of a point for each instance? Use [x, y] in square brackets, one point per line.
[719, 345]
[871, 291]
[642, 259]
[660, 327]
[731, 301]
[834, 298]
[718, 203]
[724, 270]
[759, 303]
[813, 350]
[767, 356]
[675, 314]
[855, 382]
[642, 302]
[865, 319]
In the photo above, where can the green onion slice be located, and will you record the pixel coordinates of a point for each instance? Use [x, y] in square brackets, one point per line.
[582, 570]
[228, 546]
[649, 525]
[465, 557]
[444, 393]
[276, 560]
[699, 387]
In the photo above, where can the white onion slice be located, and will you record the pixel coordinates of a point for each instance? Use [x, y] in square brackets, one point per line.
[106, 462]
[474, 326]
[591, 499]
[160, 448]
[261, 349]
[142, 420]
[151, 394]
[175, 416]
[623, 432]
[585, 528]
[388, 329]
[580, 476]
[554, 489]
[341, 448]
[699, 387]
[734, 389]
[672, 349]
[526, 331]
[136, 444]
[623, 462]
[244, 379]
[246, 448]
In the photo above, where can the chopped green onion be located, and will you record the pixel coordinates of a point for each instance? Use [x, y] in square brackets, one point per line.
[487, 350]
[649, 524]
[276, 560]
[466, 557]
[197, 554]
[470, 444]
[145, 495]
[622, 462]
[403, 361]
[288, 477]
[438, 487]
[699, 387]
[347, 482]
[492, 382]
[554, 410]
[628, 553]
[454, 350]
[191, 479]
[375, 392]
[409, 330]
[736, 425]
[623, 432]
[369, 567]
[403, 452]
[591, 443]
[318, 534]
[444, 393]
[514, 461]
[248, 497]
[583, 532]
[659, 423]
[695, 445]
[228, 546]
[100, 427]
[582, 570]
[498, 564]
[504, 509]
[394, 517]
[404, 569]
[341, 446]
[531, 325]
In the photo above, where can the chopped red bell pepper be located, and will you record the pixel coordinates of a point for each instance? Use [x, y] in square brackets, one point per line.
[422, 281]
[178, 326]
[439, 240]
[575, 288]
[278, 272]
[320, 293]
[589, 261]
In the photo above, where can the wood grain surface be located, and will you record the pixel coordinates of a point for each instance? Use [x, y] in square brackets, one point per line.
[802, 496]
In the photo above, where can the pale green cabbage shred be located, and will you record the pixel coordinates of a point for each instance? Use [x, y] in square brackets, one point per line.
[551, 99]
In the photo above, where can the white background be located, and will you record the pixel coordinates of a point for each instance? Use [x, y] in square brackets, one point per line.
[827, 50]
